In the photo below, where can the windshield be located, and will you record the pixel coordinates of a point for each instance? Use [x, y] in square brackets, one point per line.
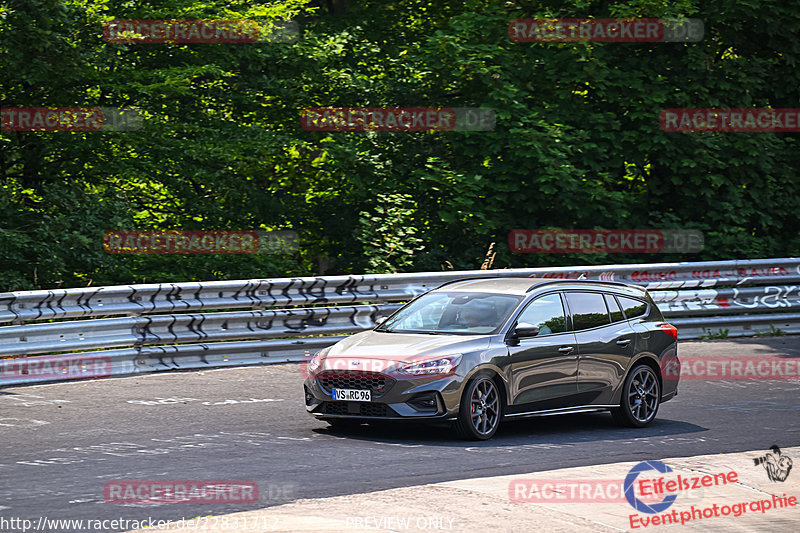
[460, 313]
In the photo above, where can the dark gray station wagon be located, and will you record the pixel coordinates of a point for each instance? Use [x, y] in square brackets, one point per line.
[475, 352]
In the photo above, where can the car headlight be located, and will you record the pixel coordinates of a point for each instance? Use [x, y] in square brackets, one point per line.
[315, 362]
[440, 366]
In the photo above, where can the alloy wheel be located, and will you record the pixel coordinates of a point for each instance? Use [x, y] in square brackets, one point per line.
[485, 407]
[643, 395]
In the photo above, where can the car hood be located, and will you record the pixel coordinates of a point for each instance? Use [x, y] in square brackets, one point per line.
[386, 349]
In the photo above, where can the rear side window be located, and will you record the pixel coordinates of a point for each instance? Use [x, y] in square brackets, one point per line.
[588, 310]
[613, 308]
[632, 308]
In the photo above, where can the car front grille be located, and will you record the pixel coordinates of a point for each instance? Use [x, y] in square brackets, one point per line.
[357, 409]
[379, 384]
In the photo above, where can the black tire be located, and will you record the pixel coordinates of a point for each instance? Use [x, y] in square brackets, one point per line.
[641, 398]
[481, 409]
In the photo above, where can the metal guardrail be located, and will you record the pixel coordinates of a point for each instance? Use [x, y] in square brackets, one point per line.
[191, 325]
[134, 300]
[208, 327]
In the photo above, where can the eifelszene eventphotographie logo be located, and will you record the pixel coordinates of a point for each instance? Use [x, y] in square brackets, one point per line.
[630, 493]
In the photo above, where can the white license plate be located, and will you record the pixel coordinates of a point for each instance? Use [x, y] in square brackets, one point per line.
[352, 395]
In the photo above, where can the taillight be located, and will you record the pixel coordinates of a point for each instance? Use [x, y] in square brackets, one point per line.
[670, 330]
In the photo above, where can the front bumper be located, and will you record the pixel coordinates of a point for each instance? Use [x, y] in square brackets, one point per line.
[392, 399]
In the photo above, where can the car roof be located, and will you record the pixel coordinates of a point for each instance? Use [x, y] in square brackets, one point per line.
[524, 286]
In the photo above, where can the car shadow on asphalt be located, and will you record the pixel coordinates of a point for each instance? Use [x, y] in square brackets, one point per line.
[560, 430]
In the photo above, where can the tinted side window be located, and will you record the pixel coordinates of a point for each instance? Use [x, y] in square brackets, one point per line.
[633, 308]
[588, 310]
[613, 307]
[546, 312]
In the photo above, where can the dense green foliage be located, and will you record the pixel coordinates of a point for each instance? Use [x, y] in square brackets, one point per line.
[577, 142]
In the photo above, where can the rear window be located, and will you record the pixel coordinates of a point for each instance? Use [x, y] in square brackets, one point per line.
[588, 310]
[632, 308]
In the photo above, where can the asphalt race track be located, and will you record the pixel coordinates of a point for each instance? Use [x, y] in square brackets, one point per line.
[62, 442]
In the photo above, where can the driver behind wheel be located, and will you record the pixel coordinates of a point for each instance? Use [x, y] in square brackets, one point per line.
[477, 315]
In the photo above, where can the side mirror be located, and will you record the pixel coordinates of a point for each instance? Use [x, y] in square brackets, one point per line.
[525, 329]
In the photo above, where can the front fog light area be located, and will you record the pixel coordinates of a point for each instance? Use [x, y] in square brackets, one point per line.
[310, 400]
[427, 402]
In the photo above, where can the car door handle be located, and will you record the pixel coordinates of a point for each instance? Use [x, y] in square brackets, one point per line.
[624, 342]
[565, 349]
